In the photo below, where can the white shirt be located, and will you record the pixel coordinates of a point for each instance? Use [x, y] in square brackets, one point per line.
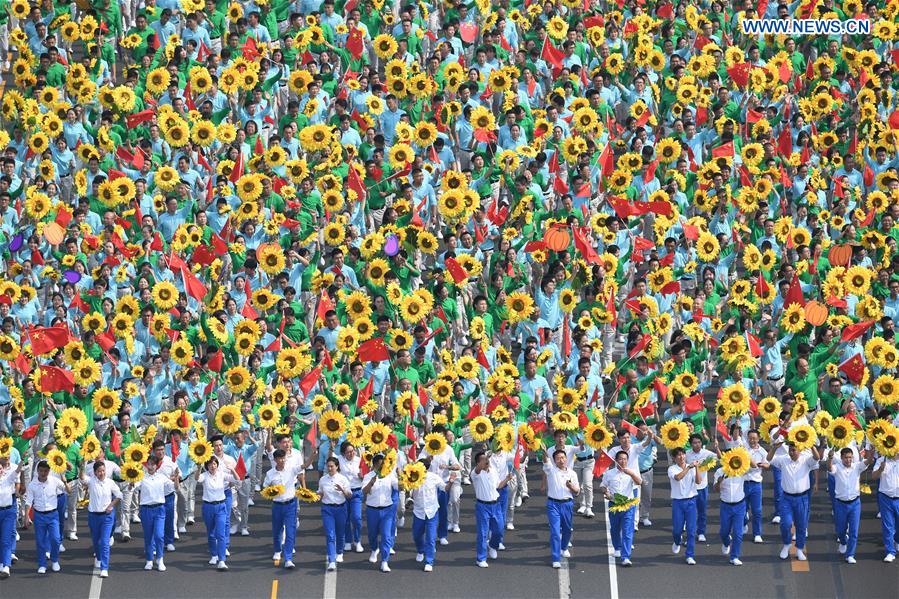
[8, 480]
[731, 486]
[167, 467]
[286, 477]
[227, 461]
[499, 463]
[350, 469]
[425, 496]
[794, 475]
[889, 478]
[294, 459]
[154, 488]
[556, 482]
[101, 493]
[42, 495]
[684, 488]
[846, 485]
[633, 453]
[570, 450]
[700, 456]
[112, 469]
[327, 488]
[440, 464]
[618, 482]
[214, 485]
[381, 492]
[485, 483]
[759, 456]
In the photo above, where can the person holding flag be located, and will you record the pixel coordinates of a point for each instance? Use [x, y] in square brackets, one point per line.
[620, 487]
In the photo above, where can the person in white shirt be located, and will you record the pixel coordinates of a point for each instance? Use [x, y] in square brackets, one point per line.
[350, 464]
[9, 477]
[334, 489]
[733, 513]
[215, 481]
[502, 463]
[425, 508]
[444, 465]
[103, 496]
[167, 468]
[228, 463]
[40, 494]
[561, 489]
[887, 470]
[626, 435]
[698, 453]
[752, 482]
[625, 481]
[847, 507]
[488, 510]
[380, 510]
[795, 468]
[284, 507]
[154, 487]
[683, 501]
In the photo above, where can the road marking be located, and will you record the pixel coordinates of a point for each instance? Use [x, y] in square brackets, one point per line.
[96, 584]
[330, 584]
[564, 580]
[795, 564]
[613, 572]
[275, 589]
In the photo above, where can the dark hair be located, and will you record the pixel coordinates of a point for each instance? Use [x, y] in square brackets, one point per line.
[677, 451]
[279, 453]
[333, 460]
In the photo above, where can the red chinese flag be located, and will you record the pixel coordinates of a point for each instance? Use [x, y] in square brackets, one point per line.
[721, 427]
[603, 461]
[794, 293]
[552, 55]
[854, 368]
[646, 411]
[46, 339]
[216, 361]
[456, 270]
[115, 441]
[661, 388]
[310, 380]
[240, 469]
[785, 141]
[55, 379]
[325, 305]
[474, 411]
[373, 350]
[249, 312]
[354, 43]
[193, 286]
[629, 427]
[754, 345]
[365, 393]
[237, 169]
[694, 404]
[724, 150]
[856, 330]
[739, 73]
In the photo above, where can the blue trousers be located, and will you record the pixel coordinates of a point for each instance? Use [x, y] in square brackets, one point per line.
[732, 517]
[503, 506]
[170, 519]
[889, 516]
[229, 501]
[47, 537]
[683, 515]
[442, 523]
[334, 521]
[488, 524]
[381, 524]
[778, 489]
[753, 492]
[794, 511]
[424, 533]
[101, 525]
[559, 514]
[622, 530]
[284, 520]
[354, 517]
[7, 534]
[215, 515]
[702, 502]
[152, 519]
[846, 517]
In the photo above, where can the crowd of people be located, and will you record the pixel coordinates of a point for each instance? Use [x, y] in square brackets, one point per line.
[420, 247]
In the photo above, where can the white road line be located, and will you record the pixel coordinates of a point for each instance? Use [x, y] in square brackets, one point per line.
[96, 584]
[613, 572]
[330, 584]
[564, 580]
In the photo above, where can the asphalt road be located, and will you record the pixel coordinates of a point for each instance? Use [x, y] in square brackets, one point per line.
[522, 571]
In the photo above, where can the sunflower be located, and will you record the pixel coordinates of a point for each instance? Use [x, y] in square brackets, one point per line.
[385, 46]
[520, 306]
[840, 432]
[793, 319]
[568, 399]
[735, 462]
[886, 391]
[57, 460]
[228, 419]
[182, 351]
[481, 428]
[132, 472]
[736, 399]
[268, 416]
[136, 452]
[77, 420]
[822, 422]
[272, 491]
[674, 434]
[435, 444]
[769, 408]
[413, 476]
[597, 436]
[106, 402]
[264, 300]
[200, 451]
[307, 495]
[467, 367]
[564, 421]
[332, 423]
[707, 247]
[802, 436]
[90, 447]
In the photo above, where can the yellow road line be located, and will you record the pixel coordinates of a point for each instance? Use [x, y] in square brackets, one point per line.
[795, 564]
[274, 589]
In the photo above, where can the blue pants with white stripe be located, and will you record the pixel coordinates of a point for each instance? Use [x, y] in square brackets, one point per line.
[683, 516]
[622, 530]
[732, 517]
[101, 529]
[559, 514]
[488, 523]
[846, 517]
[381, 523]
[284, 520]
[794, 510]
[889, 516]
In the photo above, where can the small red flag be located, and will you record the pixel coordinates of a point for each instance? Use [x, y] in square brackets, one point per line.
[856, 330]
[694, 404]
[309, 381]
[854, 368]
[603, 461]
[55, 379]
[373, 350]
[46, 339]
[365, 393]
[240, 469]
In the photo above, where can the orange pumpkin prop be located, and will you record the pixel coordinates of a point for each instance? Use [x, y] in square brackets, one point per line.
[54, 233]
[557, 238]
[839, 255]
[815, 313]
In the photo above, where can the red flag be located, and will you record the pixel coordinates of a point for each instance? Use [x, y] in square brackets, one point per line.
[646, 411]
[373, 350]
[641, 344]
[309, 381]
[868, 175]
[694, 404]
[853, 331]
[355, 183]
[237, 169]
[607, 160]
[739, 73]
[133, 120]
[665, 11]
[519, 450]
[193, 286]
[603, 461]
[785, 71]
[249, 312]
[216, 361]
[794, 293]
[365, 393]
[584, 246]
[105, 340]
[240, 469]
[629, 427]
[31, 431]
[249, 50]
[559, 186]
[754, 345]
[325, 305]
[55, 379]
[661, 388]
[354, 43]
[473, 411]
[115, 442]
[670, 288]
[854, 368]
[721, 427]
[46, 339]
[552, 55]
[456, 270]
[785, 141]
[482, 358]
[312, 435]
[724, 150]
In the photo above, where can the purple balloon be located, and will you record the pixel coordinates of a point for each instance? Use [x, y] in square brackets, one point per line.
[17, 242]
[391, 245]
[71, 276]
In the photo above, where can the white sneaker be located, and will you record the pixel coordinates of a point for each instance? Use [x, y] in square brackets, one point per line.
[213, 560]
[590, 513]
[557, 565]
[800, 555]
[785, 552]
[392, 551]
[111, 541]
[444, 541]
[736, 562]
[62, 548]
[701, 538]
[566, 553]
[691, 561]
[725, 549]
[581, 510]
[347, 546]
[890, 558]
[160, 565]
[177, 536]
[289, 565]
[332, 566]
[339, 558]
[841, 548]
[170, 547]
[276, 557]
[104, 573]
[501, 547]
[626, 563]
[373, 558]
[385, 567]
[850, 560]
[492, 554]
[72, 536]
[420, 557]
[775, 520]
[518, 502]
[675, 548]
[646, 522]
[617, 553]
[483, 564]
[222, 566]
[182, 529]
[227, 553]
[42, 570]
[758, 539]
[245, 532]
[233, 529]
[510, 526]
[55, 566]
[13, 558]
[429, 568]
[401, 522]
[190, 521]
[456, 528]
[97, 564]
[359, 548]
[148, 566]
[745, 529]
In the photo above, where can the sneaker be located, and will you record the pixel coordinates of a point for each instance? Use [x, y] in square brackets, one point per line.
[332, 566]
[725, 549]
[222, 566]
[126, 538]
[890, 558]
[841, 548]
[72, 536]
[385, 567]
[373, 558]
[170, 547]
[135, 519]
[800, 555]
[359, 548]
[775, 520]
[190, 521]
[675, 548]
[785, 552]
[429, 568]
[42, 570]
[626, 563]
[111, 541]
[456, 528]
[182, 530]
[758, 539]
[483, 564]
[401, 522]
[701, 538]
[850, 560]
[250, 502]
[501, 547]
[646, 522]
[227, 553]
[590, 513]
[566, 553]
[557, 565]
[160, 565]
[347, 546]
[736, 562]
[104, 573]
[13, 558]
[55, 566]
[510, 526]
[339, 558]
[257, 488]
[492, 553]
[392, 551]
[213, 560]
[148, 566]
[289, 565]
[62, 548]
[518, 502]
[444, 541]
[582, 510]
[232, 531]
[177, 536]
[466, 480]
[276, 557]
[691, 561]
[617, 553]
[420, 557]
[97, 564]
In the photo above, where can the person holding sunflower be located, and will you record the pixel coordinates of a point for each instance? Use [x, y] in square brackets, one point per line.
[334, 489]
[622, 482]
[795, 469]
[489, 511]
[380, 509]
[153, 487]
[215, 480]
[40, 495]
[284, 507]
[683, 501]
[425, 511]
[350, 465]
[104, 495]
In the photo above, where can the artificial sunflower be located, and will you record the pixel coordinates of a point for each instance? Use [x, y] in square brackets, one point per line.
[332, 423]
[735, 462]
[674, 433]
